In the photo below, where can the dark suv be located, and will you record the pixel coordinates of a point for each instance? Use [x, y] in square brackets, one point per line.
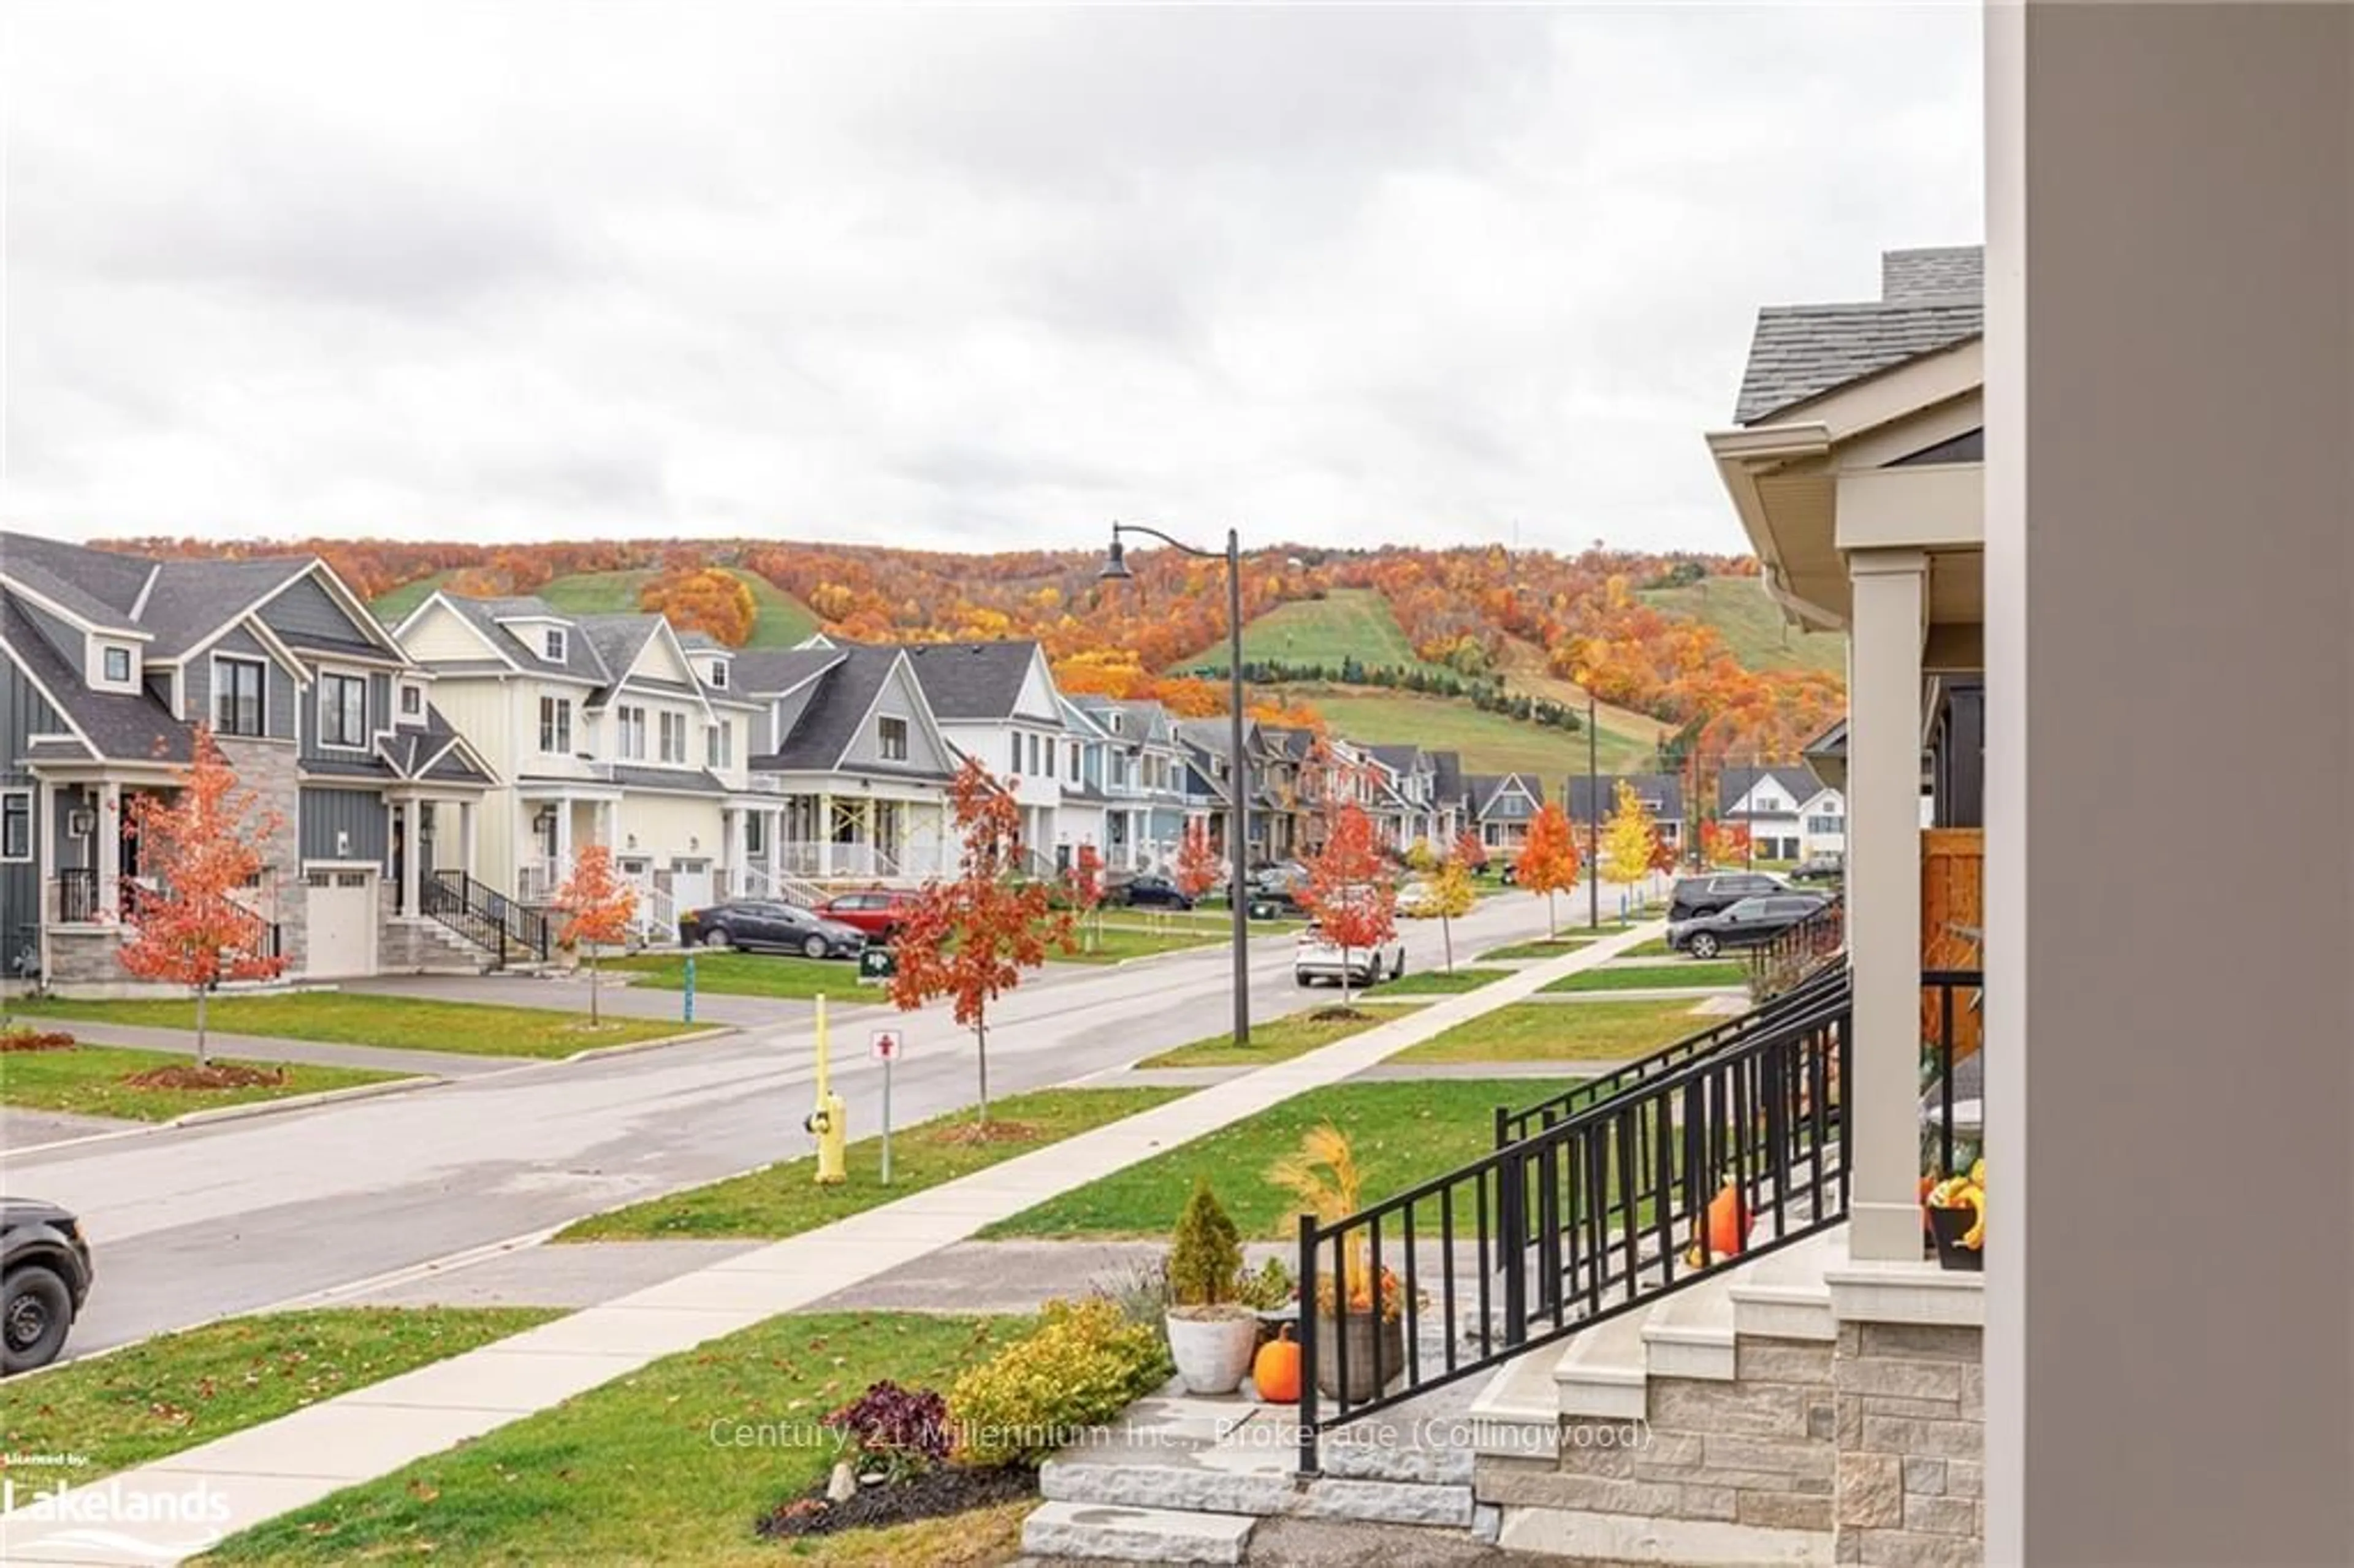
[1697, 895]
[44, 1279]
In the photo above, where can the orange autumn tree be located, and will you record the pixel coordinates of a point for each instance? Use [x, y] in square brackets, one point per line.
[1197, 863]
[709, 599]
[971, 937]
[1083, 884]
[1348, 889]
[1548, 862]
[202, 845]
[595, 904]
[1470, 851]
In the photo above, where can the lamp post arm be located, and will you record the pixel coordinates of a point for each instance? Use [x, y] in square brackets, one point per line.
[1228, 553]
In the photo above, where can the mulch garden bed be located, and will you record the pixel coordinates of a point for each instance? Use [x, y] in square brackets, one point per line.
[35, 1040]
[932, 1494]
[213, 1075]
[986, 1132]
[1337, 1014]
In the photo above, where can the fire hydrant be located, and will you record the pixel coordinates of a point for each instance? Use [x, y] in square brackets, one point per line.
[829, 1123]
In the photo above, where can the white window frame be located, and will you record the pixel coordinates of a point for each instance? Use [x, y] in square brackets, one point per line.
[261, 697]
[555, 724]
[719, 675]
[671, 736]
[331, 679]
[883, 747]
[555, 644]
[630, 733]
[10, 800]
[412, 700]
[719, 744]
[129, 679]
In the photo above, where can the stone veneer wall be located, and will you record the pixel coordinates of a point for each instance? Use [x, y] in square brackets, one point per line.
[1911, 1444]
[268, 770]
[1867, 1449]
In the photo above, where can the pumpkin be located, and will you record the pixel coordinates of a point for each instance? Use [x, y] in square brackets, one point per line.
[1728, 1222]
[1275, 1370]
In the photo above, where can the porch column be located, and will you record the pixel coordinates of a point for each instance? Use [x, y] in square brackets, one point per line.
[466, 836]
[824, 834]
[563, 867]
[731, 855]
[110, 846]
[1883, 890]
[412, 853]
[2167, 536]
[776, 832]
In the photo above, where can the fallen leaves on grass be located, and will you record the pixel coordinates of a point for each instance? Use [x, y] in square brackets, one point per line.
[35, 1040]
[211, 1076]
[970, 1132]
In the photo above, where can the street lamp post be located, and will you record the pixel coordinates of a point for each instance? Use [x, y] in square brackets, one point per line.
[1115, 569]
[1593, 820]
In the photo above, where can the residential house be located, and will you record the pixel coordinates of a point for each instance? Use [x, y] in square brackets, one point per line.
[1450, 793]
[114, 660]
[1501, 806]
[997, 702]
[1144, 817]
[603, 729]
[846, 750]
[1083, 819]
[1411, 807]
[1590, 801]
[1790, 811]
[1294, 759]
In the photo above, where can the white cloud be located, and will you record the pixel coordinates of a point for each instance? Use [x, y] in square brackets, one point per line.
[978, 276]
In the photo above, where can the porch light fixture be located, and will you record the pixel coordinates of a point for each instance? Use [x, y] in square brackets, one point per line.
[1115, 569]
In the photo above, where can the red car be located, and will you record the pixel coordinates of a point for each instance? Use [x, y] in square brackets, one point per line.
[879, 914]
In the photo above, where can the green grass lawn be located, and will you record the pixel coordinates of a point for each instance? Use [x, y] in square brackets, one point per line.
[631, 1473]
[1650, 977]
[1437, 983]
[1272, 1040]
[392, 606]
[1657, 947]
[782, 1200]
[1752, 625]
[165, 1395]
[1346, 623]
[748, 974]
[1402, 1133]
[1552, 1032]
[1491, 743]
[357, 1018]
[88, 1081]
[1112, 944]
[1542, 947]
[781, 620]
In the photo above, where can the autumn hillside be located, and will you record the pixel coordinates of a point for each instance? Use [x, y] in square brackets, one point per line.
[1502, 646]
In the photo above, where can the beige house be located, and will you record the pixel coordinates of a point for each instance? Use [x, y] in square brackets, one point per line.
[606, 729]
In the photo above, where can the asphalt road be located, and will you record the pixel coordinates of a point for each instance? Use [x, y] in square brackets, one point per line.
[193, 1224]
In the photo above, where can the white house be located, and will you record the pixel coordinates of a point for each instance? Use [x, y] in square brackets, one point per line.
[1790, 812]
[997, 702]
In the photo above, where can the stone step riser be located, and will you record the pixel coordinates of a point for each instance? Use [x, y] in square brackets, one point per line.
[1257, 1495]
[1134, 1535]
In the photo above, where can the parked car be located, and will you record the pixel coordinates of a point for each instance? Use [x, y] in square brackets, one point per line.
[1828, 867]
[1150, 890]
[1417, 900]
[757, 925]
[1317, 957]
[1707, 894]
[878, 912]
[1750, 922]
[45, 1276]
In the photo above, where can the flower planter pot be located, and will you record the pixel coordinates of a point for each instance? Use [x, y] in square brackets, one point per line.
[1950, 1226]
[1212, 1346]
[1363, 1332]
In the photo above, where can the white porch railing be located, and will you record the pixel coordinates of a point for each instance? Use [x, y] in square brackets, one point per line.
[537, 880]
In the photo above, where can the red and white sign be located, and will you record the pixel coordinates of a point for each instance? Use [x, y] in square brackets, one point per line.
[886, 1043]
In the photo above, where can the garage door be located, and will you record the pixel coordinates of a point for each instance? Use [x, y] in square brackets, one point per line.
[342, 923]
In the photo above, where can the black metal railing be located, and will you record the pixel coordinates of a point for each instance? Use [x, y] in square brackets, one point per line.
[1512, 1125]
[1597, 1215]
[1953, 1029]
[73, 896]
[1799, 951]
[259, 936]
[506, 928]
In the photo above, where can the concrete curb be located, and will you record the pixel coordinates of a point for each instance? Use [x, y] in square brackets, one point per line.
[302, 1102]
[598, 1053]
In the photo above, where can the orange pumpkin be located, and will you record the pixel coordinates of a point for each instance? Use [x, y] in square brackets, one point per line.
[1276, 1371]
[1728, 1222]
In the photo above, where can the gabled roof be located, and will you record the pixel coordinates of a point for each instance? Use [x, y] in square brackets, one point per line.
[580, 660]
[618, 639]
[128, 727]
[972, 680]
[1481, 788]
[1800, 783]
[191, 599]
[1930, 300]
[1142, 720]
[769, 670]
[1667, 788]
[1397, 759]
[823, 730]
[1448, 769]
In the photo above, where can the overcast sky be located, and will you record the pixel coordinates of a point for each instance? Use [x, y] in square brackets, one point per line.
[960, 278]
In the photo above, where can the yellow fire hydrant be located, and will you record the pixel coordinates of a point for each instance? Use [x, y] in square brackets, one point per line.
[829, 1122]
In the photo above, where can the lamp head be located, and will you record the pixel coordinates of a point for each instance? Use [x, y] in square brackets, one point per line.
[1114, 567]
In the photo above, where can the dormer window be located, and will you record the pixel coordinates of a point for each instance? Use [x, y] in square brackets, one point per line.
[553, 644]
[412, 702]
[118, 666]
[115, 667]
[719, 675]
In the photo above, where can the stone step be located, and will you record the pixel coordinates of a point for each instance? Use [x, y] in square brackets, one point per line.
[1059, 1529]
[1259, 1485]
[1689, 1332]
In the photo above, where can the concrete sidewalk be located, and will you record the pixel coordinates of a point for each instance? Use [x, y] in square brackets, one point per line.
[310, 1052]
[300, 1458]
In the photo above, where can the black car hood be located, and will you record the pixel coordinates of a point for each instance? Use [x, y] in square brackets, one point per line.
[17, 1212]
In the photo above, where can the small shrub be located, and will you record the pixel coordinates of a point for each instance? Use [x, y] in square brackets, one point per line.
[1269, 1289]
[1140, 1291]
[1082, 1366]
[1205, 1255]
[896, 1431]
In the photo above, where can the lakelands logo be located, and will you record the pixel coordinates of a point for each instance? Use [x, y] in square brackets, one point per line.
[171, 1523]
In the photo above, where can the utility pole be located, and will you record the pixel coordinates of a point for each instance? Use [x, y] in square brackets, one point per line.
[1593, 820]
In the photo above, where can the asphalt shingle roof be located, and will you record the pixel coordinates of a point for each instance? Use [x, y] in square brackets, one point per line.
[580, 659]
[825, 725]
[192, 599]
[100, 586]
[122, 724]
[1447, 768]
[1933, 301]
[773, 670]
[695, 782]
[972, 680]
[1664, 787]
[1800, 783]
[1481, 788]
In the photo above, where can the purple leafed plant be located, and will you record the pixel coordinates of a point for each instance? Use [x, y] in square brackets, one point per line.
[897, 1430]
